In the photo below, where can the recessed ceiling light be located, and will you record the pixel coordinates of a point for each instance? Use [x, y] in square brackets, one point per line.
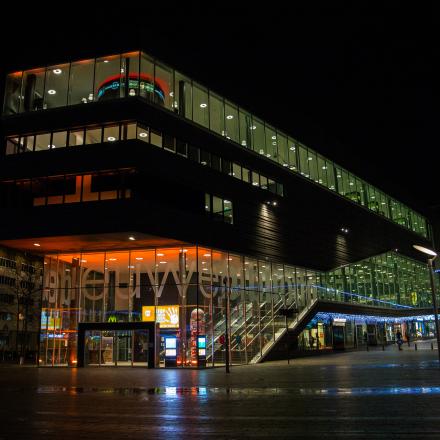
[131, 238]
[292, 148]
[162, 262]
[205, 268]
[112, 259]
[184, 250]
[111, 138]
[37, 244]
[51, 92]
[83, 261]
[106, 61]
[274, 137]
[253, 127]
[203, 105]
[51, 146]
[206, 255]
[227, 201]
[160, 254]
[57, 71]
[143, 134]
[229, 117]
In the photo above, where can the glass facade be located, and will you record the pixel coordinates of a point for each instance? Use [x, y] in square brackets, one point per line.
[133, 130]
[329, 331]
[188, 290]
[137, 74]
[381, 280]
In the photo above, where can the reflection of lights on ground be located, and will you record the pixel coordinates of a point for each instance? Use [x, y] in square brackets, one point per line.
[376, 391]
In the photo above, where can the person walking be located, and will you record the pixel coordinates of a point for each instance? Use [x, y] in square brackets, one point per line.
[399, 339]
[407, 336]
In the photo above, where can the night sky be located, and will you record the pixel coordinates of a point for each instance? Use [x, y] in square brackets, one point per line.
[354, 83]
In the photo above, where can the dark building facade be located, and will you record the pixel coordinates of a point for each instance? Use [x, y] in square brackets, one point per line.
[153, 199]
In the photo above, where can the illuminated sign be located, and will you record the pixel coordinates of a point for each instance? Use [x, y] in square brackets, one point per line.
[170, 347]
[167, 316]
[148, 313]
[50, 322]
[110, 87]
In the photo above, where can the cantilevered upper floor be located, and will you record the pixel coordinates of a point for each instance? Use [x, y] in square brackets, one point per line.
[136, 75]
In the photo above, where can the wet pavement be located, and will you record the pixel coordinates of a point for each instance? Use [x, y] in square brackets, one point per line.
[376, 394]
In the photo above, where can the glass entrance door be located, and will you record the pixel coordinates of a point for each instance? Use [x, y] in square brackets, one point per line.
[116, 348]
[108, 348]
[92, 348]
[140, 348]
[124, 340]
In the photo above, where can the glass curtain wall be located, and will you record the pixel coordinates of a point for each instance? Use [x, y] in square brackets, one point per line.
[189, 291]
[383, 280]
[137, 74]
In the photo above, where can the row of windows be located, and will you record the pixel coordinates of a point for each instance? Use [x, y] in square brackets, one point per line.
[136, 74]
[11, 264]
[124, 131]
[5, 316]
[5, 262]
[70, 188]
[7, 281]
[6, 298]
[219, 209]
[390, 277]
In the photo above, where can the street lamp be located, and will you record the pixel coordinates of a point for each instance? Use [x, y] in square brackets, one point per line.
[432, 256]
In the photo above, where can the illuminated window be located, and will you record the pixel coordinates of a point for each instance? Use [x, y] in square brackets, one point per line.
[219, 209]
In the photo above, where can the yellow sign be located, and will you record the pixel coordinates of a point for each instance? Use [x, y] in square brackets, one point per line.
[167, 316]
[148, 313]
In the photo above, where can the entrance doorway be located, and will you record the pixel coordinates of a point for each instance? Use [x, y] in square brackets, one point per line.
[129, 344]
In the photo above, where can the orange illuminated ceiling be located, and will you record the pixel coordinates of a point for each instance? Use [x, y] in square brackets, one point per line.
[99, 242]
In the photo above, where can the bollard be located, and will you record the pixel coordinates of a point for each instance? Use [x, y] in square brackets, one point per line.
[432, 346]
[415, 346]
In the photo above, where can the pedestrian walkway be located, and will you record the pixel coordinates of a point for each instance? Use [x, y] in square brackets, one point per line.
[356, 395]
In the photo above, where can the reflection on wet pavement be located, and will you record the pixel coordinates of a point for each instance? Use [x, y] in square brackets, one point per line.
[208, 392]
[349, 396]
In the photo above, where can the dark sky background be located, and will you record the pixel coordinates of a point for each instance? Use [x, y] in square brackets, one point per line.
[352, 82]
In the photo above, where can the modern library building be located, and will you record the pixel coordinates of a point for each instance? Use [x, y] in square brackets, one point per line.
[170, 227]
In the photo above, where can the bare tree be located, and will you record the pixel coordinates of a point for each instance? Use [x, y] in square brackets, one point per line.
[27, 288]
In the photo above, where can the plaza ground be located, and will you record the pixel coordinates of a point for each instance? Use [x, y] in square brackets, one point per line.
[374, 394]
